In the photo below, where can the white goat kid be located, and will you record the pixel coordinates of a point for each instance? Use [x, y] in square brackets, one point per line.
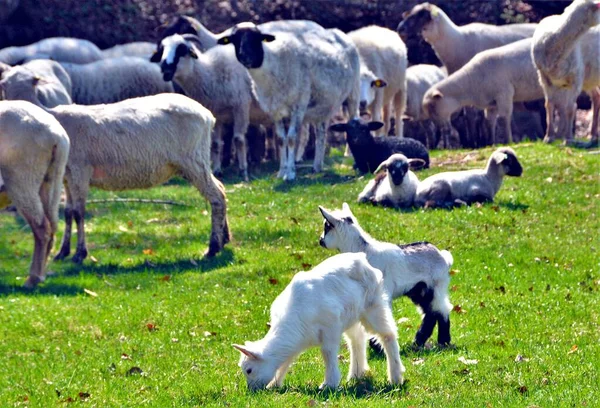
[342, 294]
[418, 270]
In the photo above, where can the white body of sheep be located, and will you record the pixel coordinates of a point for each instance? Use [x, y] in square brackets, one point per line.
[383, 54]
[419, 78]
[341, 295]
[61, 49]
[140, 49]
[34, 149]
[566, 52]
[418, 270]
[469, 186]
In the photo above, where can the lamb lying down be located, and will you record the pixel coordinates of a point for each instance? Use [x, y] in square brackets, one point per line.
[469, 186]
[341, 295]
[396, 187]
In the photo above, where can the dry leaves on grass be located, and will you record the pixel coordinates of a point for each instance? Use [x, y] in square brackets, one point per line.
[91, 293]
[467, 361]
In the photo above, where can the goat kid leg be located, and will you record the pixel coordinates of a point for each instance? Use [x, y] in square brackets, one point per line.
[330, 348]
[281, 373]
[302, 142]
[356, 338]
[443, 329]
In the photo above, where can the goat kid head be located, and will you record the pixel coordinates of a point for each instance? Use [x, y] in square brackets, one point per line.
[340, 229]
[259, 371]
[172, 53]
[248, 42]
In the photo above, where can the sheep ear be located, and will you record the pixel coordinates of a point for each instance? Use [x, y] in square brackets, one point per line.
[382, 166]
[416, 164]
[224, 40]
[375, 125]
[328, 216]
[193, 53]
[268, 38]
[378, 83]
[338, 127]
[246, 352]
[156, 56]
[499, 157]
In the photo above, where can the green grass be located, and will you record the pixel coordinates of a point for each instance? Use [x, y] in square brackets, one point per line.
[526, 279]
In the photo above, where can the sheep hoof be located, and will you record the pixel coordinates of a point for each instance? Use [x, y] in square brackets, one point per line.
[548, 139]
[291, 176]
[32, 282]
[79, 256]
[61, 255]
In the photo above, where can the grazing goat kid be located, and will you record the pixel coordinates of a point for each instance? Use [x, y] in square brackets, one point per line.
[342, 294]
[469, 186]
[418, 270]
[394, 188]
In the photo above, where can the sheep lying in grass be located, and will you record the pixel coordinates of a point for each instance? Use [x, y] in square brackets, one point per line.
[34, 149]
[341, 295]
[370, 151]
[418, 270]
[469, 186]
[396, 187]
[61, 49]
[566, 52]
[137, 143]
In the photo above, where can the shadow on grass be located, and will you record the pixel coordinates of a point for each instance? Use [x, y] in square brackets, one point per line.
[409, 350]
[362, 388]
[48, 288]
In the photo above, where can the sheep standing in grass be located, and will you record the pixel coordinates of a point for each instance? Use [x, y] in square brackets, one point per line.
[383, 74]
[418, 270]
[133, 144]
[61, 49]
[299, 78]
[341, 295]
[370, 151]
[469, 186]
[394, 184]
[34, 149]
[566, 52]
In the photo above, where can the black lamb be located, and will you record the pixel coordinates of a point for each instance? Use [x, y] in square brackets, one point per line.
[370, 151]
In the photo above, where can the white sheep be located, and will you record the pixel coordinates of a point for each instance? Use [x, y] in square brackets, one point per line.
[566, 52]
[133, 144]
[339, 296]
[34, 149]
[418, 270]
[114, 80]
[469, 186]
[141, 49]
[54, 84]
[456, 45]
[396, 187]
[419, 78]
[492, 80]
[62, 49]
[382, 55]
[300, 78]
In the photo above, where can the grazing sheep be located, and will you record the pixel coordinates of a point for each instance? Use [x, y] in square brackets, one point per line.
[418, 270]
[419, 78]
[34, 149]
[469, 186]
[566, 53]
[60, 49]
[369, 151]
[341, 295]
[114, 80]
[394, 188]
[54, 84]
[219, 82]
[141, 49]
[300, 78]
[492, 80]
[382, 55]
[133, 144]
[456, 45]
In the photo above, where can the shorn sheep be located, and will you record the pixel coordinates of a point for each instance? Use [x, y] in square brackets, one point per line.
[382, 54]
[34, 149]
[137, 143]
[299, 78]
[61, 49]
[341, 295]
[140, 49]
[370, 151]
[566, 52]
[456, 45]
[394, 184]
[418, 270]
[469, 186]
[493, 80]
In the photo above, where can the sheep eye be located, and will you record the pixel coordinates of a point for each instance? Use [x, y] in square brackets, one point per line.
[249, 371]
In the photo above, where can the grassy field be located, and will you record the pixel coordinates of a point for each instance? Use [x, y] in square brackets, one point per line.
[145, 321]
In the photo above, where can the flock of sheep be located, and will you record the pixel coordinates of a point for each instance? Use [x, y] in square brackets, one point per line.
[116, 120]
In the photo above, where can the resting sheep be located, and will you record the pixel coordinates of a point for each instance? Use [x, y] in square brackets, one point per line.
[114, 80]
[492, 80]
[133, 144]
[62, 49]
[396, 187]
[370, 151]
[469, 186]
[301, 78]
[339, 296]
[140, 49]
[34, 149]
[383, 74]
[418, 270]
[566, 52]
[456, 45]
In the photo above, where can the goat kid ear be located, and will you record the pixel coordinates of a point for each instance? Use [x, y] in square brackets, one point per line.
[246, 352]
[374, 125]
[346, 209]
[338, 127]
[378, 83]
[416, 164]
[328, 216]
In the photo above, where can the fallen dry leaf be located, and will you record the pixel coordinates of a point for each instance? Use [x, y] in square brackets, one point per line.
[123, 229]
[273, 281]
[311, 403]
[125, 356]
[573, 349]
[418, 361]
[91, 293]
[148, 251]
[151, 326]
[454, 272]
[466, 361]
[166, 278]
[84, 395]
[93, 259]
[520, 359]
[458, 309]
[403, 320]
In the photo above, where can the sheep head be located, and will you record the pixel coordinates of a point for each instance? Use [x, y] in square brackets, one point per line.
[172, 50]
[397, 166]
[421, 19]
[358, 132]
[439, 107]
[369, 84]
[506, 159]
[248, 42]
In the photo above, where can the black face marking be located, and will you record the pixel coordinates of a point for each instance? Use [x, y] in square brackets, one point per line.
[180, 25]
[513, 166]
[248, 43]
[397, 172]
[417, 19]
[168, 69]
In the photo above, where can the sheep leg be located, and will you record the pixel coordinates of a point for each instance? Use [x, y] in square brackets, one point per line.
[216, 150]
[491, 115]
[79, 215]
[320, 136]
[330, 347]
[292, 134]
[549, 136]
[281, 142]
[356, 338]
[241, 121]
[399, 109]
[422, 296]
[570, 111]
[376, 109]
[379, 320]
[65, 248]
[302, 142]
[595, 112]
[443, 329]
[53, 185]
